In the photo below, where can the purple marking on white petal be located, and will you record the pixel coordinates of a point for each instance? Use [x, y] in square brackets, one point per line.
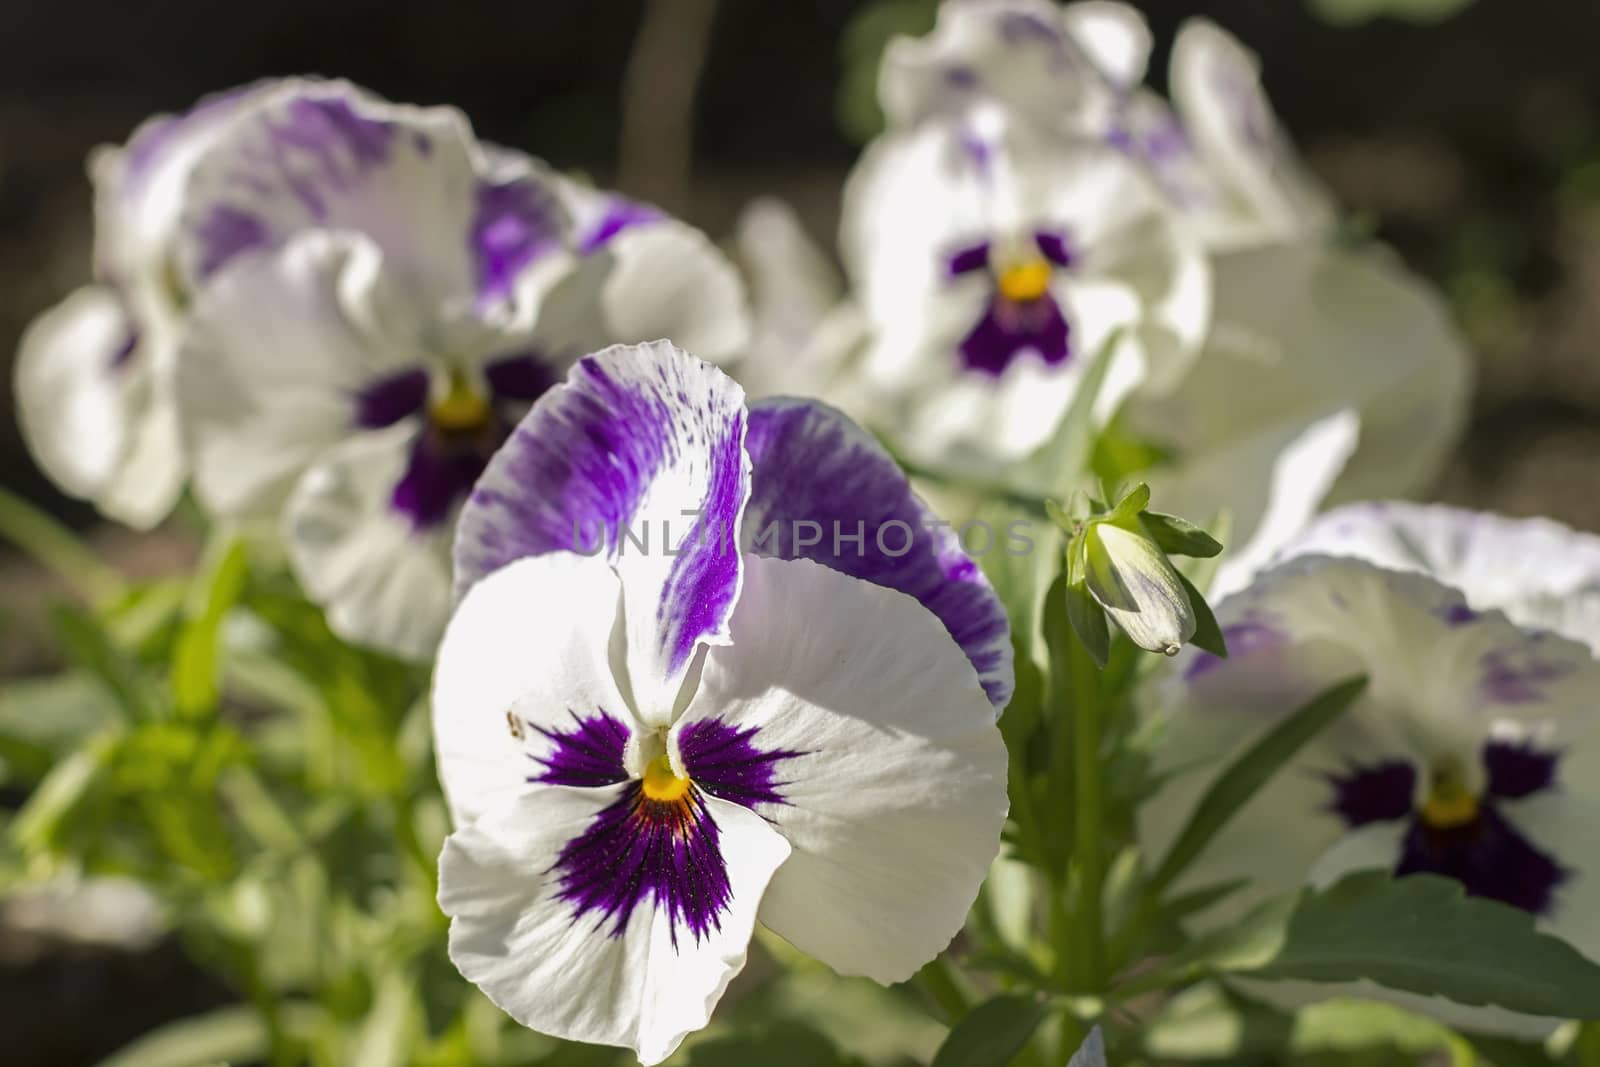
[960, 77]
[726, 762]
[589, 755]
[225, 232]
[441, 471]
[978, 151]
[967, 259]
[122, 355]
[1489, 856]
[811, 464]
[522, 378]
[516, 224]
[388, 400]
[1380, 792]
[620, 214]
[1243, 638]
[1518, 769]
[152, 144]
[1512, 677]
[1008, 329]
[1053, 245]
[1458, 614]
[577, 470]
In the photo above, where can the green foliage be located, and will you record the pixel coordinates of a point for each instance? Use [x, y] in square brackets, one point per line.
[993, 1033]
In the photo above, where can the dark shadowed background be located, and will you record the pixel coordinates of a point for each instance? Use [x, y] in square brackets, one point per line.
[1471, 144]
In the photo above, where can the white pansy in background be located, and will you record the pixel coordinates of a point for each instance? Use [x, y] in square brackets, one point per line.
[647, 751]
[1329, 374]
[1474, 753]
[383, 298]
[992, 261]
[1537, 571]
[1092, 1053]
[1067, 68]
[93, 376]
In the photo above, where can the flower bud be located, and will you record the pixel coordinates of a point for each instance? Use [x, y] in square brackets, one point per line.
[1131, 578]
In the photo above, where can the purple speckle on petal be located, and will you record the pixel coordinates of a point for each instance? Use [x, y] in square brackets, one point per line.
[1506, 680]
[1458, 614]
[122, 355]
[515, 224]
[960, 77]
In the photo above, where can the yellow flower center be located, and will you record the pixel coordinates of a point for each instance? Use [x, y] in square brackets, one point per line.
[1025, 281]
[1450, 804]
[462, 409]
[661, 783]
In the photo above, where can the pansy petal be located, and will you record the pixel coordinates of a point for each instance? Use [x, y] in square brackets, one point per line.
[1216, 85]
[576, 974]
[875, 753]
[664, 279]
[1115, 37]
[383, 582]
[817, 476]
[513, 701]
[277, 357]
[1561, 823]
[330, 156]
[72, 400]
[641, 454]
[1539, 572]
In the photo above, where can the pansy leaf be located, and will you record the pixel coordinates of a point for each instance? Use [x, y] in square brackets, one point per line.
[1179, 537]
[992, 1033]
[1134, 501]
[1247, 774]
[1420, 934]
[1207, 634]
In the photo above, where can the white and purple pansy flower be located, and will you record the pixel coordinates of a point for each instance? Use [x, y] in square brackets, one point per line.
[1473, 754]
[992, 261]
[362, 340]
[93, 375]
[653, 741]
[641, 275]
[1537, 571]
[1065, 68]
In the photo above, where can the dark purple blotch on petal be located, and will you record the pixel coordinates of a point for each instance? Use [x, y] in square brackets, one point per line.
[724, 761]
[1457, 614]
[967, 259]
[1518, 769]
[636, 850]
[388, 400]
[1008, 329]
[524, 377]
[1377, 793]
[1489, 857]
[588, 755]
[440, 473]
[1052, 245]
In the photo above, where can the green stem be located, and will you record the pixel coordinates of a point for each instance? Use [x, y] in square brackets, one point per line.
[1089, 810]
[57, 549]
[940, 983]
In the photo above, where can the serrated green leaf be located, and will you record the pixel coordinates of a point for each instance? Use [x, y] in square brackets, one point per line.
[992, 1033]
[1247, 774]
[1208, 636]
[1179, 537]
[1419, 934]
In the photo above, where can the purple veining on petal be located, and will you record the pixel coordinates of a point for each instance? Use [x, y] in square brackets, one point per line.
[225, 232]
[1019, 26]
[581, 464]
[1376, 793]
[388, 400]
[122, 355]
[589, 754]
[1008, 329]
[516, 223]
[620, 214]
[326, 120]
[441, 471]
[1509, 678]
[1457, 614]
[967, 259]
[1243, 638]
[524, 377]
[1052, 245]
[638, 849]
[1518, 769]
[959, 76]
[723, 760]
[151, 144]
[810, 463]
[978, 151]
[1489, 857]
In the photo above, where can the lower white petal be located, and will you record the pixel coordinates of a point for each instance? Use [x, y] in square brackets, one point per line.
[882, 746]
[576, 976]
